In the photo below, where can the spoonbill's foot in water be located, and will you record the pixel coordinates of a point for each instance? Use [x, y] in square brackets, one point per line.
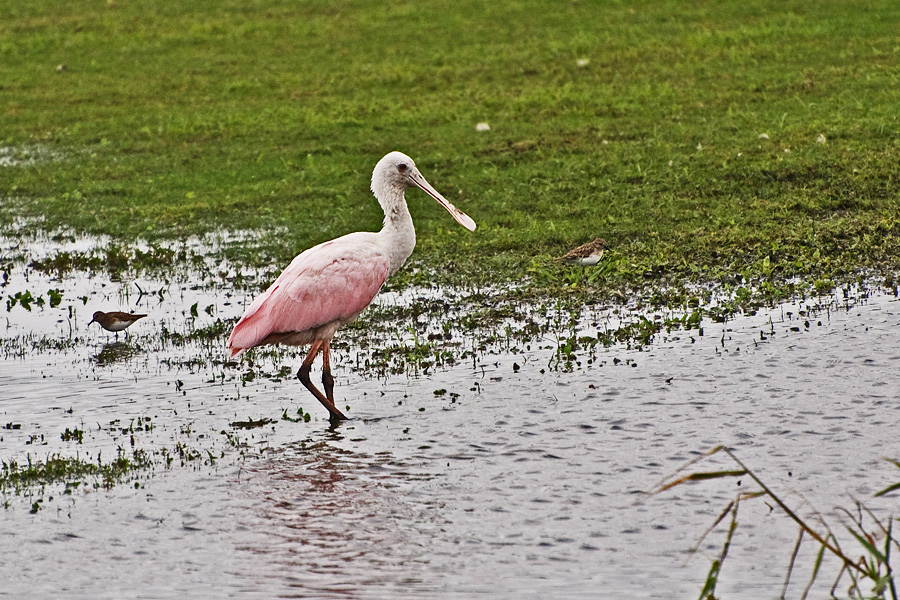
[327, 380]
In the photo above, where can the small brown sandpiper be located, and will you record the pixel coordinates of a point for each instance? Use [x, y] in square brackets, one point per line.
[587, 255]
[115, 321]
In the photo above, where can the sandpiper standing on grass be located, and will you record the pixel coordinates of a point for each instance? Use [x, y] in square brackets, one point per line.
[115, 321]
[587, 255]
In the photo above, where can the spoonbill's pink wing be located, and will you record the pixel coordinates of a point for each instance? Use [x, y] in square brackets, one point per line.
[329, 282]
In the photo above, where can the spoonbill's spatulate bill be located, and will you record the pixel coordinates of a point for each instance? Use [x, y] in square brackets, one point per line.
[329, 285]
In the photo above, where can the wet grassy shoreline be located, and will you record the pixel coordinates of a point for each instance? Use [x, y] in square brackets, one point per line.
[747, 145]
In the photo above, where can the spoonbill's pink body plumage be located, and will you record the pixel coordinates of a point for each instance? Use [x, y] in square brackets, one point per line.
[329, 285]
[323, 288]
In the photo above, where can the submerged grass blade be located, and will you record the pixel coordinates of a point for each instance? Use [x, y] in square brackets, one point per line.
[869, 546]
[887, 554]
[787, 577]
[700, 477]
[893, 487]
[712, 578]
[885, 530]
[659, 486]
[815, 572]
[709, 529]
[837, 579]
[888, 489]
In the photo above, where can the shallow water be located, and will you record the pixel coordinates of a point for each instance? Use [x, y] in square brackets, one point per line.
[17, 156]
[515, 481]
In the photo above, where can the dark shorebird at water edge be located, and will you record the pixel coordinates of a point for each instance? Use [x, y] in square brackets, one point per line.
[115, 321]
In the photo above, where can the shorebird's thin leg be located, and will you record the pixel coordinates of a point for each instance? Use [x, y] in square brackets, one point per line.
[303, 376]
[327, 379]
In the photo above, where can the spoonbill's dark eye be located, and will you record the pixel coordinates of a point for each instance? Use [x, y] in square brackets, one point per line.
[402, 167]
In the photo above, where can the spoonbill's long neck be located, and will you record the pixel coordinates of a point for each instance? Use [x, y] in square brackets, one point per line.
[398, 232]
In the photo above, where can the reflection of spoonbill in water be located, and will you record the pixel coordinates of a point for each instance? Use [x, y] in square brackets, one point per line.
[329, 285]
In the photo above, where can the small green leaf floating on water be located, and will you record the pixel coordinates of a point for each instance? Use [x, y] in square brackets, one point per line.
[72, 435]
[24, 298]
[55, 297]
[301, 416]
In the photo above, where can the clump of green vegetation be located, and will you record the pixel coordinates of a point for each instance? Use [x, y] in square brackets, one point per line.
[57, 468]
[74, 434]
[23, 299]
[251, 423]
[873, 534]
[301, 416]
[116, 259]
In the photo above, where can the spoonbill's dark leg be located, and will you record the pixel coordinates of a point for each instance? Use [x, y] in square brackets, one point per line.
[303, 376]
[327, 379]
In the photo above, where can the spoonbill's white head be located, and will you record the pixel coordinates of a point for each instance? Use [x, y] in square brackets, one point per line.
[396, 172]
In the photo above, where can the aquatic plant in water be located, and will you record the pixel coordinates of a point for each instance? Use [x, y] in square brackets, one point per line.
[872, 533]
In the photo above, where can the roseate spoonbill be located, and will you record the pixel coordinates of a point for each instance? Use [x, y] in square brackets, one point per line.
[587, 255]
[115, 321]
[329, 285]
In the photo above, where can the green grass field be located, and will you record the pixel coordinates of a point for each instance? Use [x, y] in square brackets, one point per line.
[172, 119]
